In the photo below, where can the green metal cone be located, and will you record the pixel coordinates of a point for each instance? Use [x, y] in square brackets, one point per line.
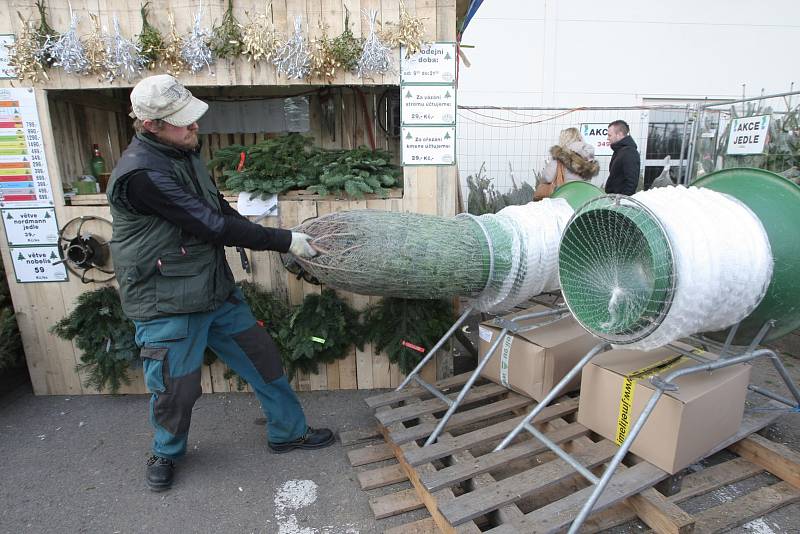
[616, 269]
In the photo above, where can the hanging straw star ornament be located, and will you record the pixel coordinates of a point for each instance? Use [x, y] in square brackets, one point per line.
[24, 54]
[376, 56]
[68, 51]
[410, 33]
[171, 57]
[194, 46]
[293, 59]
[124, 56]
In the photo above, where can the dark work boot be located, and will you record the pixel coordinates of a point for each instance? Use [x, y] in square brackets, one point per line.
[314, 438]
[160, 472]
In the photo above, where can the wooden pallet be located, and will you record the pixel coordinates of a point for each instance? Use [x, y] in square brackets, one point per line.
[526, 488]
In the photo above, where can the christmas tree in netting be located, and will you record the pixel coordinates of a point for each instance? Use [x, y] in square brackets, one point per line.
[498, 259]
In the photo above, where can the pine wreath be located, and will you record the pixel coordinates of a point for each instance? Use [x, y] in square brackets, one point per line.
[319, 332]
[104, 335]
[400, 327]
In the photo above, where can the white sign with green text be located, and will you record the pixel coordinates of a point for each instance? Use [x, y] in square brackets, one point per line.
[429, 145]
[38, 264]
[428, 104]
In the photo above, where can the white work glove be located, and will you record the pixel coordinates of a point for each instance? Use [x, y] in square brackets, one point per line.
[301, 247]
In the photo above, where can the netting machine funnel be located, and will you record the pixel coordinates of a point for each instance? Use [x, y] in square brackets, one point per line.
[776, 202]
[624, 232]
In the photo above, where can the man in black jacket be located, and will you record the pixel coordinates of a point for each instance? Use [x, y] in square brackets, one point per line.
[171, 225]
[623, 171]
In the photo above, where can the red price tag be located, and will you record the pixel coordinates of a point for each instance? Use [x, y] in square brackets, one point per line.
[241, 162]
[412, 346]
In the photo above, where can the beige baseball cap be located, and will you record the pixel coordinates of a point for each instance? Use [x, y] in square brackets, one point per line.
[163, 97]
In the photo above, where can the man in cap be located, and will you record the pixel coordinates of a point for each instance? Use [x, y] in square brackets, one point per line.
[171, 225]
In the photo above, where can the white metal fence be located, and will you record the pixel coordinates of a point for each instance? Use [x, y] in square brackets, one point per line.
[507, 144]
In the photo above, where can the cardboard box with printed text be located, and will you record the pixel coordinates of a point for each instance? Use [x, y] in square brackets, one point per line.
[706, 409]
[532, 362]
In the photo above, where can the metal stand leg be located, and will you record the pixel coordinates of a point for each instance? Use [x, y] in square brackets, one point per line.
[508, 326]
[435, 348]
[597, 349]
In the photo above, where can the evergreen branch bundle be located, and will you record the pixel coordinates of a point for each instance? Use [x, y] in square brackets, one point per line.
[104, 335]
[280, 164]
[356, 172]
[226, 39]
[399, 327]
[150, 40]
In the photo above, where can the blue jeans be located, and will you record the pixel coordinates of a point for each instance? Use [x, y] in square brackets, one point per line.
[172, 351]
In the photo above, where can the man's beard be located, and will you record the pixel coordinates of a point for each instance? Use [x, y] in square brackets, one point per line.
[188, 145]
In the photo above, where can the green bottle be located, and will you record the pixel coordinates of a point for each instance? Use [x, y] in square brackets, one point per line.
[98, 164]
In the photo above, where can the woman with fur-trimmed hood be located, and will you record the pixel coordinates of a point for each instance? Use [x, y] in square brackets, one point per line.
[576, 156]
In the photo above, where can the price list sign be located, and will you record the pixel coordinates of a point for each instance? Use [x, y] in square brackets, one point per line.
[24, 181]
[28, 213]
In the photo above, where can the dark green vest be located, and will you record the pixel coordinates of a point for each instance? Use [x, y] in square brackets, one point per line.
[160, 270]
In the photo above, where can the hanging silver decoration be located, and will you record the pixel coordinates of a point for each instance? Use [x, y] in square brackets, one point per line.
[293, 59]
[194, 46]
[376, 57]
[125, 58]
[68, 50]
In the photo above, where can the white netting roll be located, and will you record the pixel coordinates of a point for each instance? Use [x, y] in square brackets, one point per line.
[723, 261]
[537, 228]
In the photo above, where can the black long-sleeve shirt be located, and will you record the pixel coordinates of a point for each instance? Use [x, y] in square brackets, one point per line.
[152, 193]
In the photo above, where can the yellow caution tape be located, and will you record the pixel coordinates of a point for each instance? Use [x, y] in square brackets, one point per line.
[629, 387]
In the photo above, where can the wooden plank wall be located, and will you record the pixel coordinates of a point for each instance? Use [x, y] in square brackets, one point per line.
[72, 121]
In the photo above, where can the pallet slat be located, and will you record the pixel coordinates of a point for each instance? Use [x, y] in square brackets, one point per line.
[457, 473]
[371, 454]
[751, 506]
[393, 397]
[484, 435]
[555, 516]
[484, 500]
[423, 526]
[395, 503]
[776, 458]
[382, 476]
[460, 419]
[430, 406]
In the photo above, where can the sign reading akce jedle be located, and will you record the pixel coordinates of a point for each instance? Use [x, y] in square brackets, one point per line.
[748, 135]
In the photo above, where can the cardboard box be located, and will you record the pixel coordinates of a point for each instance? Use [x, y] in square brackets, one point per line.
[706, 409]
[532, 362]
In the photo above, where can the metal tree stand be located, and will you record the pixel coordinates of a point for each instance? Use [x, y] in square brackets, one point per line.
[507, 325]
[725, 359]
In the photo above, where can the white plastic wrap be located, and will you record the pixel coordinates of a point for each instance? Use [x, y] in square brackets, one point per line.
[723, 261]
[536, 230]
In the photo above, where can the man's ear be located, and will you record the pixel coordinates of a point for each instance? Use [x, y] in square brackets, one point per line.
[151, 125]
